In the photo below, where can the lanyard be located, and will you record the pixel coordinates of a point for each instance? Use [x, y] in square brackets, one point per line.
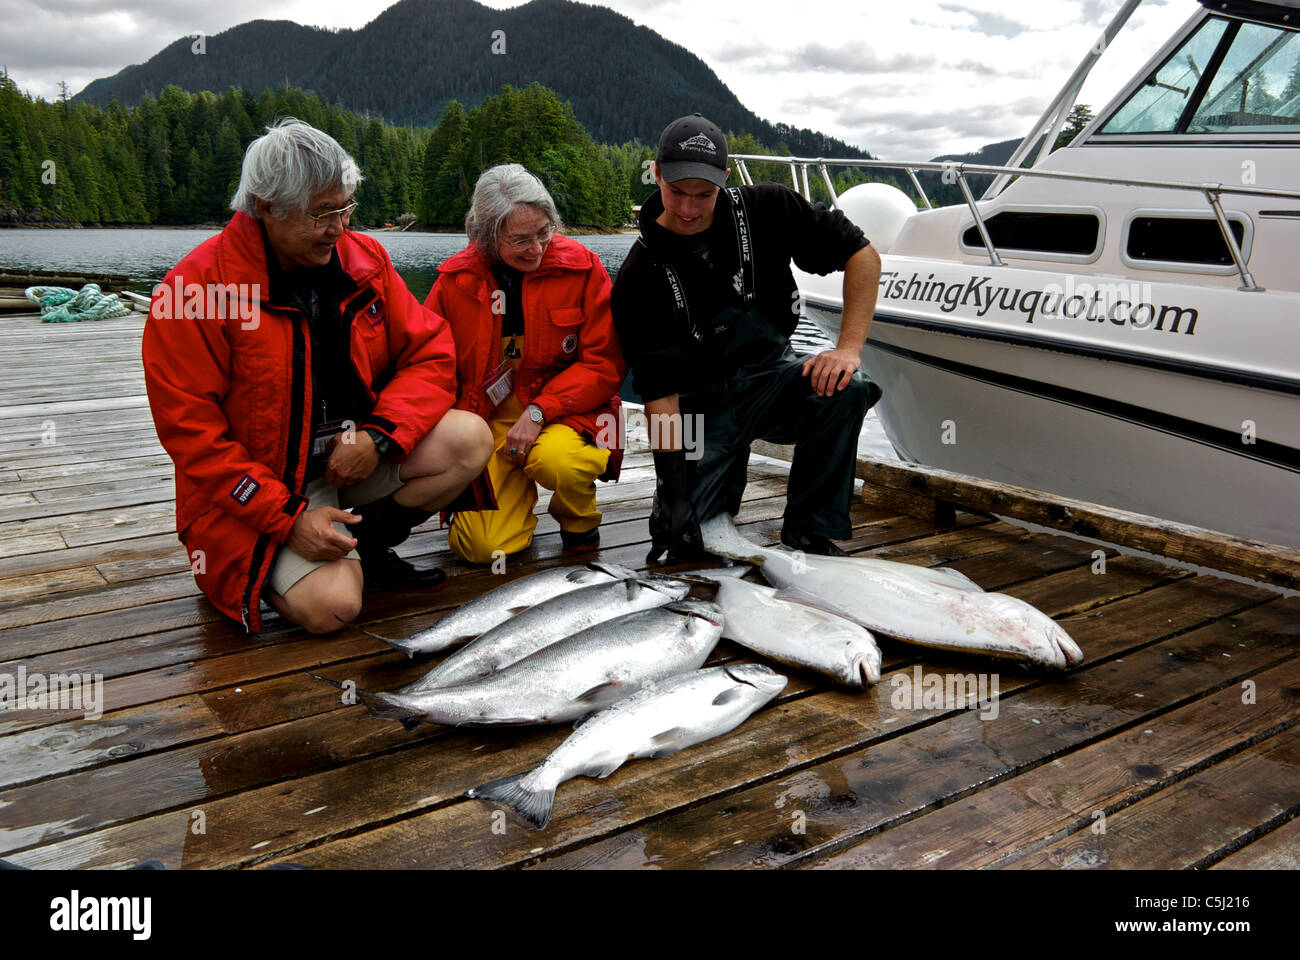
[744, 241]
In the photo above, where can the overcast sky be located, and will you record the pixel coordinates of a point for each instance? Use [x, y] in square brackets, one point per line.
[905, 79]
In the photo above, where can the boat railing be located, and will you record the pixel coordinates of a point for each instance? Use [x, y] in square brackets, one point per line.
[958, 172]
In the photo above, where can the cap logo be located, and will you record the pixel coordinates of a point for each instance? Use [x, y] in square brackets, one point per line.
[698, 142]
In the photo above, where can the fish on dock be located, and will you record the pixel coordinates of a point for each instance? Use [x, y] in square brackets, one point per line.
[573, 677]
[548, 622]
[659, 720]
[498, 605]
[794, 633]
[933, 608]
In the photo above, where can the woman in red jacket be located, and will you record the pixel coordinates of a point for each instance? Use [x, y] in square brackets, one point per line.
[538, 359]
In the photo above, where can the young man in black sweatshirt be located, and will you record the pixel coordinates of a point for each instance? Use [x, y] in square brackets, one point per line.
[704, 305]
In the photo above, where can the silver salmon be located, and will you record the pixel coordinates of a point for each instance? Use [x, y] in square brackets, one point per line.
[797, 634]
[661, 719]
[549, 621]
[501, 603]
[934, 608]
[573, 677]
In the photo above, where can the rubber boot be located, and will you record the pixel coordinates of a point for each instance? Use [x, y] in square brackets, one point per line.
[384, 524]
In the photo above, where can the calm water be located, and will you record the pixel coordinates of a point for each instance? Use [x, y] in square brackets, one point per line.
[146, 255]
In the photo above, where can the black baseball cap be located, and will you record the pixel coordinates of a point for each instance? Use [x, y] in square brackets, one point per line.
[693, 148]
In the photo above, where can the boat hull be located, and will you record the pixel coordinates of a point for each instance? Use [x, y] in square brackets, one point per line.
[1151, 433]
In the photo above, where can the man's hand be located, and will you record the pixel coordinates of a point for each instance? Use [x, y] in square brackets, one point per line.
[313, 535]
[831, 370]
[350, 463]
[521, 438]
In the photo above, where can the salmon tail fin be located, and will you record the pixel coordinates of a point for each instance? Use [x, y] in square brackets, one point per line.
[359, 628]
[533, 806]
[389, 707]
[394, 642]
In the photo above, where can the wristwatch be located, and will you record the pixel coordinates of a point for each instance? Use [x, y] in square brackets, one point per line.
[384, 446]
[535, 413]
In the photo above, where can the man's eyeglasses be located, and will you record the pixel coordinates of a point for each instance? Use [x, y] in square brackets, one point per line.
[322, 221]
[523, 243]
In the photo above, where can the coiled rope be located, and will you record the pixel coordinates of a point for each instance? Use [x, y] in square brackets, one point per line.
[63, 305]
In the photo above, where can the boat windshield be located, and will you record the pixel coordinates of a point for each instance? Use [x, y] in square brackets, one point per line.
[1228, 76]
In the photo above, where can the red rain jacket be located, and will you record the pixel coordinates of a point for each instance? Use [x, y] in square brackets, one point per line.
[229, 381]
[572, 362]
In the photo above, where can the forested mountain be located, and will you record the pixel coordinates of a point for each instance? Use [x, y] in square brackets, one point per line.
[624, 81]
[176, 159]
[260, 53]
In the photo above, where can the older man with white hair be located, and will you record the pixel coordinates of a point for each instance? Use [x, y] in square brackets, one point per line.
[291, 374]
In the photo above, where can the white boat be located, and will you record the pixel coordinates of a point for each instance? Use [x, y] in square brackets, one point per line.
[1120, 321]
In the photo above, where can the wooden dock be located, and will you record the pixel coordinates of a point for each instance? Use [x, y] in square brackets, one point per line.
[1174, 745]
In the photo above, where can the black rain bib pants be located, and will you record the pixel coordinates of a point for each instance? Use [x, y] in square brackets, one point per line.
[766, 396]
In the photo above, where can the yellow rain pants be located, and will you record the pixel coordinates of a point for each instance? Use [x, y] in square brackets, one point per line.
[560, 460]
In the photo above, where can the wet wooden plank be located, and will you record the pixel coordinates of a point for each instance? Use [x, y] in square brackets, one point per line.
[90, 799]
[56, 408]
[17, 546]
[1074, 792]
[88, 457]
[75, 632]
[234, 676]
[159, 491]
[33, 585]
[106, 555]
[55, 750]
[1197, 820]
[863, 791]
[113, 598]
[1278, 850]
[142, 489]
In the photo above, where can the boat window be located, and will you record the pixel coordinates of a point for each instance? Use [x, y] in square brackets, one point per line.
[1040, 232]
[1257, 87]
[1157, 105]
[1182, 240]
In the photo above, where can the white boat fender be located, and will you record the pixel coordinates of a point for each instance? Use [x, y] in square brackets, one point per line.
[879, 209]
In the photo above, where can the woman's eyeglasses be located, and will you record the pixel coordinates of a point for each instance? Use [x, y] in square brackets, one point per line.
[523, 243]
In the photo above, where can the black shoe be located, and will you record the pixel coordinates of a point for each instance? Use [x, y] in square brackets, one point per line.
[384, 524]
[580, 542]
[383, 569]
[810, 543]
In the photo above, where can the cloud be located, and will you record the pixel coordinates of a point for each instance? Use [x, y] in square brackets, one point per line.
[854, 58]
[988, 23]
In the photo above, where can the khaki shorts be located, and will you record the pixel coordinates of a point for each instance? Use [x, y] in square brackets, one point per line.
[290, 566]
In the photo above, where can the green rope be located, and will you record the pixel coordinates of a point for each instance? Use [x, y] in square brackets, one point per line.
[62, 305]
